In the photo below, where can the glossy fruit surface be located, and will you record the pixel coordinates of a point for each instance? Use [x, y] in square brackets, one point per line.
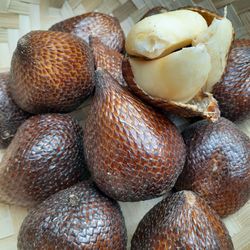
[94, 24]
[11, 116]
[181, 221]
[45, 156]
[233, 91]
[107, 59]
[80, 217]
[133, 152]
[217, 165]
[51, 72]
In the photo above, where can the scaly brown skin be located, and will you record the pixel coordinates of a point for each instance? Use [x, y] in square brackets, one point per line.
[133, 152]
[51, 72]
[80, 217]
[107, 59]
[217, 165]
[233, 91]
[181, 221]
[11, 116]
[95, 24]
[45, 156]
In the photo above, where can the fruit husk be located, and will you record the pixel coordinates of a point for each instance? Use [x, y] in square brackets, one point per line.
[107, 28]
[217, 165]
[203, 104]
[181, 221]
[233, 91]
[11, 116]
[80, 217]
[133, 152]
[45, 156]
[107, 59]
[57, 77]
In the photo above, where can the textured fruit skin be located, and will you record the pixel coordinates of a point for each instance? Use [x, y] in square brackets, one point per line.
[181, 221]
[95, 24]
[11, 116]
[80, 217]
[45, 156]
[51, 72]
[233, 91]
[217, 165]
[107, 59]
[133, 152]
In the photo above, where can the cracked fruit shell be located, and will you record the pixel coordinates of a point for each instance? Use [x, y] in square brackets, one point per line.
[181, 221]
[217, 165]
[80, 217]
[45, 156]
[133, 152]
[51, 72]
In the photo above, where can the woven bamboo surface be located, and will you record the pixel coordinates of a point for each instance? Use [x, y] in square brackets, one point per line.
[17, 17]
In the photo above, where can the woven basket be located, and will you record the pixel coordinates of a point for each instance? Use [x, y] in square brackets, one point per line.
[18, 17]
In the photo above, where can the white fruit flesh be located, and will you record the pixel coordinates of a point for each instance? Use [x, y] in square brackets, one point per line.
[217, 39]
[161, 34]
[177, 77]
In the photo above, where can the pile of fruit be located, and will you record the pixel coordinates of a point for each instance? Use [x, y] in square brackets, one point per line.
[183, 62]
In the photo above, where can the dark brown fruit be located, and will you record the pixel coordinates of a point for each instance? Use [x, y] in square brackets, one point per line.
[217, 165]
[51, 72]
[202, 105]
[133, 152]
[181, 221]
[107, 59]
[11, 116]
[95, 24]
[80, 217]
[155, 11]
[45, 156]
[233, 90]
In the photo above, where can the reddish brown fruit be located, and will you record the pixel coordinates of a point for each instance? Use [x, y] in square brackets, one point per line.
[11, 116]
[80, 217]
[51, 72]
[181, 221]
[45, 156]
[107, 59]
[133, 152]
[94, 24]
[233, 91]
[217, 165]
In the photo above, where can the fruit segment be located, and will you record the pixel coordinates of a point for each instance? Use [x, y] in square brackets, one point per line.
[177, 77]
[161, 34]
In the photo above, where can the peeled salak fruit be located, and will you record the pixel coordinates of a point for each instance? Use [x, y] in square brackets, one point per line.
[11, 116]
[94, 24]
[51, 72]
[45, 156]
[80, 217]
[133, 152]
[181, 221]
[183, 60]
[233, 90]
[217, 165]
